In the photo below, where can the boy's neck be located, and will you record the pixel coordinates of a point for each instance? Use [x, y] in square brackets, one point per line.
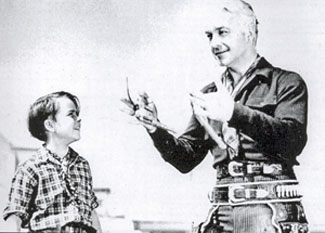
[59, 149]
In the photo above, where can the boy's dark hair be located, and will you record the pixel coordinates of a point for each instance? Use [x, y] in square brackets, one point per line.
[43, 108]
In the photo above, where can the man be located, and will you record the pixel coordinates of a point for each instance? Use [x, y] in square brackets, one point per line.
[253, 121]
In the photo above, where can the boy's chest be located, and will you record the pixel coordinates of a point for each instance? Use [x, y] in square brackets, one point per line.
[56, 179]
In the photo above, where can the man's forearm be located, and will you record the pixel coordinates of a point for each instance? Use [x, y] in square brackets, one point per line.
[184, 153]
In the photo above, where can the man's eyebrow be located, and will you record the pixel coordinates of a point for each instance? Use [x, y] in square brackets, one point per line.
[214, 29]
[221, 27]
[72, 110]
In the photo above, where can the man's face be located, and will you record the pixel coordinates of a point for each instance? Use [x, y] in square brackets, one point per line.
[67, 122]
[228, 40]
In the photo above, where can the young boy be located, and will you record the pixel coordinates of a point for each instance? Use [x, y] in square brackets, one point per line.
[52, 191]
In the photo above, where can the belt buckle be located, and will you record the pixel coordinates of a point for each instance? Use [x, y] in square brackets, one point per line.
[233, 168]
[233, 190]
[246, 194]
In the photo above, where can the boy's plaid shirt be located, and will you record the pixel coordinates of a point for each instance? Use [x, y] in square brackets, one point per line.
[48, 191]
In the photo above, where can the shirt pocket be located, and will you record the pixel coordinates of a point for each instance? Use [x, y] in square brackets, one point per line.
[49, 188]
[266, 104]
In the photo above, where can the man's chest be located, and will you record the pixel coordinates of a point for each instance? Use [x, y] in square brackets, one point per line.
[260, 95]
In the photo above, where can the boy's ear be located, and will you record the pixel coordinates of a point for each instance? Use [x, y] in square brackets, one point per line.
[48, 124]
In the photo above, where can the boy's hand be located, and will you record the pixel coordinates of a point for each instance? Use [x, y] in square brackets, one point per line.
[15, 221]
[96, 222]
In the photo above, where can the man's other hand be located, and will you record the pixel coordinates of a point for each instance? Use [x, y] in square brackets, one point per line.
[215, 105]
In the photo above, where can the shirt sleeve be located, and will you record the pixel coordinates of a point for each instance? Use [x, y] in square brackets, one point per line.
[20, 195]
[186, 151]
[94, 201]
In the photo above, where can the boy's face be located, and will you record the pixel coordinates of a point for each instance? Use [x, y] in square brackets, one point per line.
[66, 126]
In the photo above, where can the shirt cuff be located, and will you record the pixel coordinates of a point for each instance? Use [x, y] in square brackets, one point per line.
[237, 115]
[18, 211]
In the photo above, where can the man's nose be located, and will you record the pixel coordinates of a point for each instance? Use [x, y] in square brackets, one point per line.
[215, 43]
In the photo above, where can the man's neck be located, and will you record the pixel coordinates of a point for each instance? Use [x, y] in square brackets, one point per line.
[239, 69]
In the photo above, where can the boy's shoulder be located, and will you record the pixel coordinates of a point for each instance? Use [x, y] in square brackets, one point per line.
[43, 158]
[29, 166]
[33, 161]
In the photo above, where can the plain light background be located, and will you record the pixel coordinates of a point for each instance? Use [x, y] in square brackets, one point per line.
[90, 47]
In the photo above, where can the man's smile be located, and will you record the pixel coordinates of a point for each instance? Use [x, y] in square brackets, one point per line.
[217, 52]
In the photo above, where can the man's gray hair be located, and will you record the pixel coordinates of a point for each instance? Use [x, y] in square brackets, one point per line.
[247, 16]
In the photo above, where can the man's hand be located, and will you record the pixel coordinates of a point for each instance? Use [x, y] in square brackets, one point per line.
[215, 105]
[147, 112]
[144, 110]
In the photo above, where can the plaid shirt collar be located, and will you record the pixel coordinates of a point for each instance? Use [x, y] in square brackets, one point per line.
[44, 155]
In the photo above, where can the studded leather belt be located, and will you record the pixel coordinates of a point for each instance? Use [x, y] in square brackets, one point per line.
[255, 192]
[250, 168]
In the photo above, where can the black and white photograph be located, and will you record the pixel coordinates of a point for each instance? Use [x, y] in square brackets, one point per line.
[162, 116]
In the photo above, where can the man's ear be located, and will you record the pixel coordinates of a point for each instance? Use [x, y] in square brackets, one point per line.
[48, 124]
[248, 36]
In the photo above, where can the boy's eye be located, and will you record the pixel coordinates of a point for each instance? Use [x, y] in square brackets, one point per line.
[74, 115]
